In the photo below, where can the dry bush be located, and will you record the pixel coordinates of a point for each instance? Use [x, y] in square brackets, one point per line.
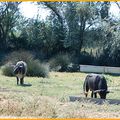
[36, 68]
[60, 62]
[18, 56]
[7, 69]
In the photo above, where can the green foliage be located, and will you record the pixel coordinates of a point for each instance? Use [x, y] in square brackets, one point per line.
[55, 36]
[60, 62]
[36, 33]
[20, 41]
[9, 14]
[105, 10]
[86, 58]
[72, 34]
[69, 27]
[110, 36]
[85, 11]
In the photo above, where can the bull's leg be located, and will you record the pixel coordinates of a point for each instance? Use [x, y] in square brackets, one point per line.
[95, 94]
[86, 92]
[92, 94]
[17, 80]
[22, 81]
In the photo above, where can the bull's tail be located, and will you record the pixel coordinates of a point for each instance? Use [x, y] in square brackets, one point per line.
[85, 91]
[85, 87]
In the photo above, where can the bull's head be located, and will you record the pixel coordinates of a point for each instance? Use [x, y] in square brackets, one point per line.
[102, 93]
[18, 69]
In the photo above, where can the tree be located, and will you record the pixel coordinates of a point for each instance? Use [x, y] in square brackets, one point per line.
[86, 18]
[105, 6]
[9, 14]
[72, 29]
[57, 11]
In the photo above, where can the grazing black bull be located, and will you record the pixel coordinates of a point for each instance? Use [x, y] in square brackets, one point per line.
[97, 84]
[20, 70]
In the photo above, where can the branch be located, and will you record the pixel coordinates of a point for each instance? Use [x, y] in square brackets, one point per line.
[117, 5]
[54, 9]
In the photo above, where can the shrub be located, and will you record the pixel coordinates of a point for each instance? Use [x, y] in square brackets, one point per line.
[86, 58]
[60, 62]
[35, 68]
[7, 69]
[18, 56]
[73, 68]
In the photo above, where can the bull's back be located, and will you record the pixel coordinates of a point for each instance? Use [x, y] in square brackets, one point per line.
[95, 82]
[91, 80]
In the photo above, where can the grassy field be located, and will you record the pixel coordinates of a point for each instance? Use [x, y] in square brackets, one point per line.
[49, 97]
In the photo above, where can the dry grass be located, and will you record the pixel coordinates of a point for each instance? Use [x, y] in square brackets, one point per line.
[48, 98]
[47, 107]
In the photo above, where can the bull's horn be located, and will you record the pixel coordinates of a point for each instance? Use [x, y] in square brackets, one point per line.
[96, 91]
[109, 91]
[12, 65]
[20, 66]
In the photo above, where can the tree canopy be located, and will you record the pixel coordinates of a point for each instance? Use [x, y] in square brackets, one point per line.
[83, 29]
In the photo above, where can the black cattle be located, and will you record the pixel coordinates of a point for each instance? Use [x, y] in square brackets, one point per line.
[20, 70]
[97, 84]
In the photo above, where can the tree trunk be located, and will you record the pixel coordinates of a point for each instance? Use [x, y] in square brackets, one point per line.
[82, 31]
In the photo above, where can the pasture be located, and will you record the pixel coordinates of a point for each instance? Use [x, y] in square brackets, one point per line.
[49, 97]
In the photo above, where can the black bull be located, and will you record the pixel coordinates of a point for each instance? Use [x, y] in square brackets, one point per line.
[97, 84]
[20, 70]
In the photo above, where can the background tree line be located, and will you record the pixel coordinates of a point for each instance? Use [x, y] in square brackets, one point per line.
[85, 31]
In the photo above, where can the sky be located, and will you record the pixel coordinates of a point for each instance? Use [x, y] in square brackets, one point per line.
[29, 10]
[114, 10]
